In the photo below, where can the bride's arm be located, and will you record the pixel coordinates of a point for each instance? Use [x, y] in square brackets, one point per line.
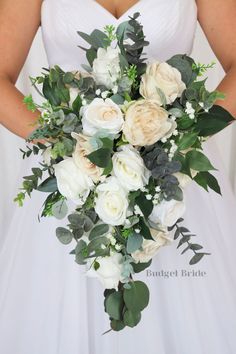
[217, 19]
[19, 21]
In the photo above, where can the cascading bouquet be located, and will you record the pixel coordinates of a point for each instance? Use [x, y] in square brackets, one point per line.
[121, 140]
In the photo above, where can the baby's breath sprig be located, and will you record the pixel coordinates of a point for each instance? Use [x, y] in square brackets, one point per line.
[200, 69]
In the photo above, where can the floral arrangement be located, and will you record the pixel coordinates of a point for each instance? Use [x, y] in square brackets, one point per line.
[119, 142]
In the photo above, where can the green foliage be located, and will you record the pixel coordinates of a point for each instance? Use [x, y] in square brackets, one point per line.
[137, 297]
[200, 69]
[30, 104]
[185, 240]
[185, 65]
[134, 242]
[98, 230]
[145, 205]
[197, 161]
[64, 235]
[49, 185]
[114, 304]
[205, 180]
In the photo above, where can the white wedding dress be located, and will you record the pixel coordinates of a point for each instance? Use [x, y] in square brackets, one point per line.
[48, 305]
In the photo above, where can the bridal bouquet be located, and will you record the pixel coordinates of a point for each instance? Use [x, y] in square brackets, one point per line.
[119, 142]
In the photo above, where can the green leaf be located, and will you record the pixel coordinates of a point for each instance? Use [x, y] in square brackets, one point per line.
[91, 54]
[96, 246]
[68, 78]
[145, 205]
[214, 121]
[114, 305]
[100, 157]
[96, 39]
[139, 267]
[117, 325]
[60, 209]
[49, 93]
[187, 141]
[48, 186]
[137, 297]
[131, 319]
[118, 99]
[206, 179]
[64, 235]
[81, 252]
[201, 180]
[134, 242]
[196, 258]
[197, 161]
[183, 63]
[145, 231]
[98, 231]
[77, 104]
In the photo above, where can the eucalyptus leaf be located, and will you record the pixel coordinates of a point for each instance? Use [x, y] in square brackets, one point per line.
[114, 305]
[48, 186]
[64, 235]
[60, 209]
[134, 242]
[137, 297]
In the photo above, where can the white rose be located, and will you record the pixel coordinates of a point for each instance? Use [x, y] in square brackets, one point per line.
[109, 271]
[101, 114]
[129, 168]
[167, 212]
[146, 123]
[71, 181]
[111, 202]
[106, 67]
[82, 149]
[150, 248]
[164, 77]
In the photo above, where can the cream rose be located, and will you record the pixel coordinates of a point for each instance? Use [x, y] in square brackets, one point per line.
[82, 149]
[129, 168]
[146, 123]
[106, 67]
[150, 248]
[167, 212]
[164, 77]
[109, 271]
[100, 114]
[72, 182]
[111, 202]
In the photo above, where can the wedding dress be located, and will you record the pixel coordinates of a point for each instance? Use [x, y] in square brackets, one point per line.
[49, 306]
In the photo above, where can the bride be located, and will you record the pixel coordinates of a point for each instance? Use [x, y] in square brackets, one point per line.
[47, 305]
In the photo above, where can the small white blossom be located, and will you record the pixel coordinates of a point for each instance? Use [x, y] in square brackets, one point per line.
[158, 189]
[98, 92]
[201, 104]
[137, 210]
[175, 132]
[173, 117]
[103, 247]
[118, 247]
[105, 94]
[127, 222]
[190, 110]
[113, 241]
[163, 140]
[137, 231]
[115, 89]
[84, 102]
[148, 196]
[155, 201]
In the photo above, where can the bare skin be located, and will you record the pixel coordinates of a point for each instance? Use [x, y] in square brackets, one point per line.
[18, 29]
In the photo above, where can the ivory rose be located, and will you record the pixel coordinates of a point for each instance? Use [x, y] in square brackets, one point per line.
[167, 212]
[164, 77]
[82, 149]
[101, 114]
[150, 247]
[146, 123]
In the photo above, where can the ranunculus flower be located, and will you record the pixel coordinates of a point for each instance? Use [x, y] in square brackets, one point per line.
[82, 149]
[150, 248]
[167, 212]
[72, 183]
[146, 123]
[111, 202]
[164, 77]
[129, 168]
[106, 67]
[109, 271]
[102, 114]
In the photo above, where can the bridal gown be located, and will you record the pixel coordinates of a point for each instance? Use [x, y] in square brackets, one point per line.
[48, 305]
